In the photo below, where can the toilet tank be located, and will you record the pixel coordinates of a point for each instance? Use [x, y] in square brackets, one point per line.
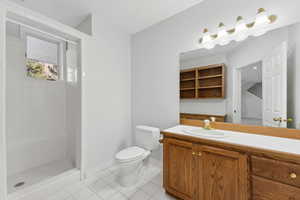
[147, 137]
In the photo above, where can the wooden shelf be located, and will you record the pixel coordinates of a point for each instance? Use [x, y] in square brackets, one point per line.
[184, 89]
[207, 77]
[210, 87]
[203, 82]
[188, 79]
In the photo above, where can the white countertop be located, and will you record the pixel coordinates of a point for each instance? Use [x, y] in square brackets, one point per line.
[246, 139]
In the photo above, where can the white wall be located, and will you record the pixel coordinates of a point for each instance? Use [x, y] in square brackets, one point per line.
[155, 53]
[86, 25]
[106, 94]
[187, 63]
[203, 106]
[3, 167]
[73, 105]
[36, 114]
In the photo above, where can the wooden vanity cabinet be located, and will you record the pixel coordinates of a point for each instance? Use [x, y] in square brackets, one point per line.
[222, 174]
[179, 164]
[274, 179]
[196, 172]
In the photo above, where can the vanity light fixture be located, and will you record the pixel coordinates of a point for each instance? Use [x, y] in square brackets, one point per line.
[261, 22]
[208, 41]
[222, 35]
[240, 32]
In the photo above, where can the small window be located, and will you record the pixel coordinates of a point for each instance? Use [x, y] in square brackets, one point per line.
[42, 58]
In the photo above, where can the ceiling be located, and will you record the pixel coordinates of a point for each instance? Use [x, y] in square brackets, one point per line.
[129, 15]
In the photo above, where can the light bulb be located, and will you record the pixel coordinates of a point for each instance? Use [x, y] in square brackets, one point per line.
[262, 18]
[261, 22]
[241, 30]
[222, 35]
[206, 36]
[207, 41]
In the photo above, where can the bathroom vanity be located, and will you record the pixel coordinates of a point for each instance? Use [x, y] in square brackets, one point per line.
[230, 165]
[254, 151]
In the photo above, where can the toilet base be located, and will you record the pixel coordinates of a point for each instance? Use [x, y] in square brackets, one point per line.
[130, 174]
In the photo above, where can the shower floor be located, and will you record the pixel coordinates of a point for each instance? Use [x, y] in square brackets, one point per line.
[36, 175]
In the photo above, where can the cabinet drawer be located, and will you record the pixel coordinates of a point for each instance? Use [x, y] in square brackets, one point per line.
[264, 189]
[276, 170]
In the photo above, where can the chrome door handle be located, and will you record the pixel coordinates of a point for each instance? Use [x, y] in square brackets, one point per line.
[280, 119]
[277, 119]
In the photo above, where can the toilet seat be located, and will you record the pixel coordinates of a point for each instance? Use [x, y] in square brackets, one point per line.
[131, 154]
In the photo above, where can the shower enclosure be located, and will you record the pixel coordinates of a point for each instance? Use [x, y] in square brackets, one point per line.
[43, 104]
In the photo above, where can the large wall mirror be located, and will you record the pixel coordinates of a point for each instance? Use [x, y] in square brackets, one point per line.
[253, 82]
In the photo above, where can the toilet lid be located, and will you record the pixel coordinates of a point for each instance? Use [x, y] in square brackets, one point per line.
[130, 153]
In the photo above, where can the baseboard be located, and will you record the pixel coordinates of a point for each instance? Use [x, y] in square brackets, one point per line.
[49, 186]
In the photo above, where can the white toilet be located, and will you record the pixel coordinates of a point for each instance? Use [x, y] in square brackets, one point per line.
[132, 159]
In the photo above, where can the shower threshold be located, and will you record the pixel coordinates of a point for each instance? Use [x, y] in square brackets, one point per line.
[20, 181]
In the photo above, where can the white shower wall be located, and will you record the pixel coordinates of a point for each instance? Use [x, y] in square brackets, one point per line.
[36, 115]
[73, 111]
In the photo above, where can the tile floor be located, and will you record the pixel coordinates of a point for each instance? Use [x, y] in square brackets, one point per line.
[105, 187]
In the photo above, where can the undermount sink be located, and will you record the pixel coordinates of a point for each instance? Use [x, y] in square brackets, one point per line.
[204, 132]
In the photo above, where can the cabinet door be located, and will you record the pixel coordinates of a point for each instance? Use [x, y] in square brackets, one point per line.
[222, 174]
[178, 168]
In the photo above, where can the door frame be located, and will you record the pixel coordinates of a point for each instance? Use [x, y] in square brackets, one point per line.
[237, 91]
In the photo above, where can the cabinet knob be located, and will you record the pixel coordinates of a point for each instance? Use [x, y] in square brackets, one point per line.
[293, 175]
[194, 153]
[199, 154]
